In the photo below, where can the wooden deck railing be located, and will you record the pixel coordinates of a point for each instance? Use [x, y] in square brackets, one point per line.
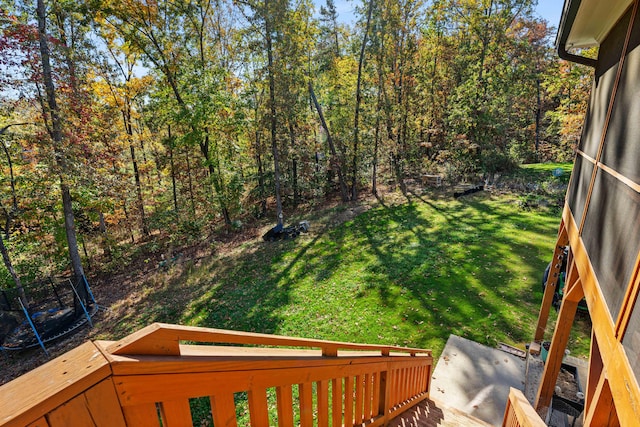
[150, 377]
[519, 412]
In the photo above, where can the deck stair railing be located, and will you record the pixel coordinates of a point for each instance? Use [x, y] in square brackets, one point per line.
[519, 412]
[150, 377]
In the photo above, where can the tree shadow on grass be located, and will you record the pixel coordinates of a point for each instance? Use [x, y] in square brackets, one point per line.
[409, 274]
[461, 272]
[237, 292]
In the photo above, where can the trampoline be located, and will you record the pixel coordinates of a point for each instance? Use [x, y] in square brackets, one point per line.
[56, 309]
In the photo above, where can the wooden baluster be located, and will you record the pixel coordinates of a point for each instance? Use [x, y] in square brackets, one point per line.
[305, 392]
[258, 410]
[367, 396]
[323, 403]
[348, 401]
[394, 388]
[336, 405]
[404, 385]
[415, 380]
[507, 420]
[176, 413]
[375, 404]
[385, 395]
[285, 406]
[359, 400]
[223, 409]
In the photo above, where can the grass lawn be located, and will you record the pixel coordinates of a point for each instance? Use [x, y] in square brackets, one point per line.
[407, 274]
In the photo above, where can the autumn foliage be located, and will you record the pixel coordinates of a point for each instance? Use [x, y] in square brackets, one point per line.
[174, 114]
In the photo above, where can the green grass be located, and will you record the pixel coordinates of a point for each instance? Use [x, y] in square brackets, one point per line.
[409, 274]
[543, 172]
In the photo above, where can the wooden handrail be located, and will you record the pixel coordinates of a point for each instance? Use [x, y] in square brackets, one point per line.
[519, 412]
[164, 339]
[149, 378]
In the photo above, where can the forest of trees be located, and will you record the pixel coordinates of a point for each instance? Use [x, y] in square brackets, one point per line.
[122, 119]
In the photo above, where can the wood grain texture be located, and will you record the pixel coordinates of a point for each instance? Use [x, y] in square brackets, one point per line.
[136, 389]
[145, 415]
[358, 414]
[622, 380]
[98, 384]
[285, 406]
[74, 413]
[305, 392]
[368, 396]
[519, 412]
[223, 410]
[104, 406]
[213, 358]
[163, 339]
[375, 404]
[550, 286]
[337, 397]
[348, 401]
[43, 389]
[41, 422]
[176, 413]
[322, 388]
[258, 409]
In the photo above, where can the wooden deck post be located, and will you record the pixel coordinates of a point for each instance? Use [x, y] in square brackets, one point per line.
[552, 281]
[574, 293]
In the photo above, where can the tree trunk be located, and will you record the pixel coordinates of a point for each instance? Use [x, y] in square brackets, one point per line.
[128, 126]
[12, 271]
[261, 184]
[334, 156]
[294, 166]
[538, 114]
[374, 172]
[14, 199]
[106, 245]
[395, 138]
[173, 171]
[136, 174]
[217, 184]
[356, 119]
[12, 182]
[272, 107]
[86, 253]
[56, 135]
[126, 216]
[190, 181]
[376, 138]
[70, 228]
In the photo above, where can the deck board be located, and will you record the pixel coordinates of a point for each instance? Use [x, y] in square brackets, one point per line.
[429, 413]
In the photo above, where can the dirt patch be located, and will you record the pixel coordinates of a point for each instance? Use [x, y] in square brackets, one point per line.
[567, 386]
